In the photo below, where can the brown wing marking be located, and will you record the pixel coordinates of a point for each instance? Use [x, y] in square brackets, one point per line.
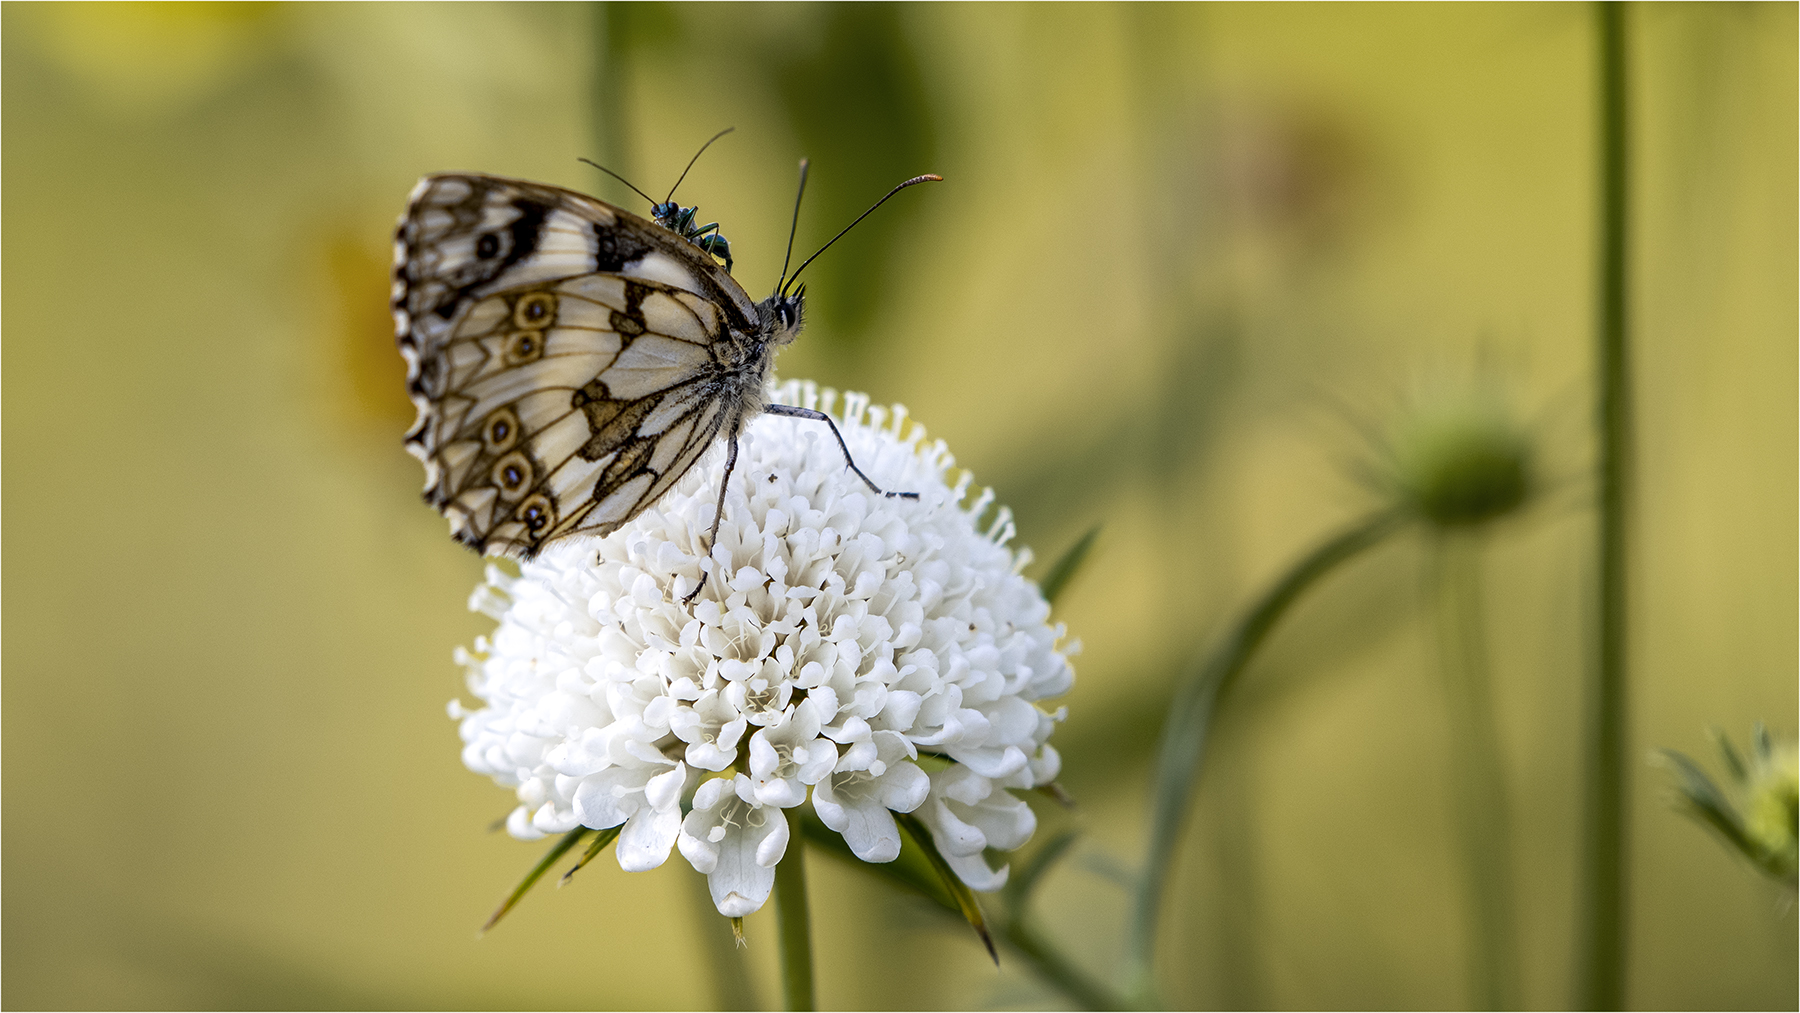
[534, 457]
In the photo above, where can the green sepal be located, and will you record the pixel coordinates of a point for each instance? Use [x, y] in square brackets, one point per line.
[557, 850]
[601, 840]
[919, 868]
[1705, 802]
[952, 884]
[1734, 762]
[911, 871]
[1063, 570]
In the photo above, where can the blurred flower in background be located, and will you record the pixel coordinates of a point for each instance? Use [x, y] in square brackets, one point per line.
[1456, 453]
[1757, 813]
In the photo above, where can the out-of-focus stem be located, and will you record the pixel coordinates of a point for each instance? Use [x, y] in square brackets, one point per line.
[1189, 723]
[732, 987]
[795, 924]
[1478, 781]
[607, 86]
[1601, 936]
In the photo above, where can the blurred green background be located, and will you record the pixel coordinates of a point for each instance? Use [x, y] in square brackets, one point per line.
[1182, 252]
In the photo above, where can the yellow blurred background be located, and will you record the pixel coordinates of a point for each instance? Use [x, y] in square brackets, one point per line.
[1181, 252]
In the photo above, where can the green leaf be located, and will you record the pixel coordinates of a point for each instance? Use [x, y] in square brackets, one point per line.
[1063, 570]
[964, 897]
[601, 840]
[557, 850]
[1188, 725]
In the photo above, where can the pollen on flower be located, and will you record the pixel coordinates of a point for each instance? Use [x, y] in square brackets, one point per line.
[837, 635]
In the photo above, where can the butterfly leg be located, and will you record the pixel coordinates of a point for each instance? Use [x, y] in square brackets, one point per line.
[807, 413]
[712, 536]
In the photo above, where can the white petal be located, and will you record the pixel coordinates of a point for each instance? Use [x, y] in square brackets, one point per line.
[645, 842]
[904, 787]
[954, 838]
[821, 757]
[782, 792]
[770, 849]
[973, 870]
[610, 797]
[763, 759]
[664, 790]
[871, 832]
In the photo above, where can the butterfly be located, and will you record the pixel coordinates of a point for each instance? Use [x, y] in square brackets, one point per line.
[570, 361]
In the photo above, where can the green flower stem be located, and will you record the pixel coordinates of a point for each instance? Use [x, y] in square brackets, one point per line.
[1478, 783]
[1191, 715]
[914, 873]
[1601, 938]
[795, 923]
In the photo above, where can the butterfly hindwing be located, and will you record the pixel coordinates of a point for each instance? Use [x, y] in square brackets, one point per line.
[566, 358]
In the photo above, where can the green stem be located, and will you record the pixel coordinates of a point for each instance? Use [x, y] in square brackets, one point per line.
[794, 921]
[1190, 719]
[914, 871]
[1602, 934]
[1478, 782]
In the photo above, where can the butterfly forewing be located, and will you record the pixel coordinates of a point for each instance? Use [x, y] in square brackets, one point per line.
[569, 360]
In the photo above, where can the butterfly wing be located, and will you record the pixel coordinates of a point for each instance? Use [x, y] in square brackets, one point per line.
[565, 357]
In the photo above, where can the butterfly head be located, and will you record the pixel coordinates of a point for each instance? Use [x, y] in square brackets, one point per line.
[782, 315]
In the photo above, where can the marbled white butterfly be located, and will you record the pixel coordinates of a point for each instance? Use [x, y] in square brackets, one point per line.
[569, 360]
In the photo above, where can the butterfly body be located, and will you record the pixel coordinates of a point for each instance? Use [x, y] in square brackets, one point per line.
[569, 360]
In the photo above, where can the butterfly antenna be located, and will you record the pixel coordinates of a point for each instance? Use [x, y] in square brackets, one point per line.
[927, 178]
[691, 162]
[796, 224]
[618, 177]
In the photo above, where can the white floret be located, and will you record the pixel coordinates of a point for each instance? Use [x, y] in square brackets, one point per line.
[839, 637]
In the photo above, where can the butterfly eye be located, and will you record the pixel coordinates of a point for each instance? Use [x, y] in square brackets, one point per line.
[789, 312]
[534, 310]
[538, 513]
[488, 246]
[523, 347]
[500, 431]
[512, 474]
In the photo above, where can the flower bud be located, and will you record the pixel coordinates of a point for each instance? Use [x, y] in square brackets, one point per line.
[1458, 455]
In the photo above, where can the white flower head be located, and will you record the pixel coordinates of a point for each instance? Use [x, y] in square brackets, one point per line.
[842, 644]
